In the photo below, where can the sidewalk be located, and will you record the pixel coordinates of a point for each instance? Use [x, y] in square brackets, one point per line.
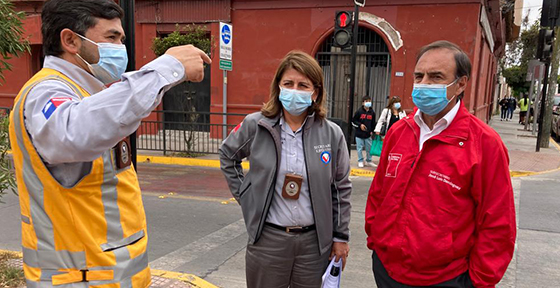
[521, 145]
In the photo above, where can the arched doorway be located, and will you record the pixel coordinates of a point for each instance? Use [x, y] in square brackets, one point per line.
[373, 73]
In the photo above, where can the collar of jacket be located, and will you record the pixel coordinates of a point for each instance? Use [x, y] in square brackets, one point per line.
[456, 133]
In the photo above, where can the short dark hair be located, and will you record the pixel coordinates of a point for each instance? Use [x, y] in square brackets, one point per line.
[463, 64]
[462, 61]
[366, 98]
[77, 16]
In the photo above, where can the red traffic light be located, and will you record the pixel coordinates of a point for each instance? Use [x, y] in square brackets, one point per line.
[343, 19]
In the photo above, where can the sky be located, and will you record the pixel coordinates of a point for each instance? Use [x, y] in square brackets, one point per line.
[532, 7]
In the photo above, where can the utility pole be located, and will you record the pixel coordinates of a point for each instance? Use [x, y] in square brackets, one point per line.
[128, 27]
[552, 88]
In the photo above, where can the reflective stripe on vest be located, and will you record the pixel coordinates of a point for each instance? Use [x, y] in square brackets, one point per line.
[95, 230]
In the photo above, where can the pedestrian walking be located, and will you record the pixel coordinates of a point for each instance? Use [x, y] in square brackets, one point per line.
[524, 104]
[295, 198]
[440, 210]
[389, 116]
[504, 104]
[363, 123]
[83, 221]
[512, 105]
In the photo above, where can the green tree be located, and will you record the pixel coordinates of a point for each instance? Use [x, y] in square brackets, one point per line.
[518, 55]
[11, 44]
[11, 32]
[189, 34]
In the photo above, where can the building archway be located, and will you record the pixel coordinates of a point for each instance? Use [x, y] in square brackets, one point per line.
[373, 73]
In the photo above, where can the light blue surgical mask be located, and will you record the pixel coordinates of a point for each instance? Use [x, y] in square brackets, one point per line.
[112, 61]
[397, 105]
[295, 101]
[367, 104]
[431, 98]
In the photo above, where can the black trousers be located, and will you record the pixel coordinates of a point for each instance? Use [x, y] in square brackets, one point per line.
[383, 280]
[504, 113]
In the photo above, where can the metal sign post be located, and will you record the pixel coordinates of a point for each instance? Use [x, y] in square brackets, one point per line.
[226, 64]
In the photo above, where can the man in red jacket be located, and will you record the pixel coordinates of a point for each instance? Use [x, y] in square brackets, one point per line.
[440, 209]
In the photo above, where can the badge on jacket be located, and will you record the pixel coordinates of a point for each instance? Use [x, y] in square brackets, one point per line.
[292, 186]
[123, 153]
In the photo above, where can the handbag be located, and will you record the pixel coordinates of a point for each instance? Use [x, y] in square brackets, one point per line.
[383, 129]
[376, 146]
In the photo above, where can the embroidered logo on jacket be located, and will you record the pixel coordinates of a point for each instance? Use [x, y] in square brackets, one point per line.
[443, 178]
[393, 162]
[52, 104]
[326, 157]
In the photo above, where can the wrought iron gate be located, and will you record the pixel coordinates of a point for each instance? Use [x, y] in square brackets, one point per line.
[373, 74]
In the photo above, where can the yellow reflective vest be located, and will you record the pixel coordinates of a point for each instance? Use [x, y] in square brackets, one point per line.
[90, 235]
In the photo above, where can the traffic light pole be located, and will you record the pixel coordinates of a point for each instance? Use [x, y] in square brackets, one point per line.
[551, 91]
[543, 105]
[352, 75]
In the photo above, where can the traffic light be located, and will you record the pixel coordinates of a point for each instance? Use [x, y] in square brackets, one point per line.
[544, 46]
[343, 29]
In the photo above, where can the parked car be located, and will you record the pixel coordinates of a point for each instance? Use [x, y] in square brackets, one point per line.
[556, 117]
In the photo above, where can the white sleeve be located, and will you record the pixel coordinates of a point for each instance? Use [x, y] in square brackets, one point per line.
[381, 120]
[65, 129]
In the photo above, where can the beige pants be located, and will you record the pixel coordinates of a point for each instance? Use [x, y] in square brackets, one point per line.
[280, 260]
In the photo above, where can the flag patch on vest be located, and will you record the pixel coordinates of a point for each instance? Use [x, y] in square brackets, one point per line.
[52, 104]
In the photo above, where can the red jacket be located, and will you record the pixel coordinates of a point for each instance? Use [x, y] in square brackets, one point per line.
[433, 214]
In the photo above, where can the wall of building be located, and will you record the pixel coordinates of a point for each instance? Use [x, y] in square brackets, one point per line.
[264, 31]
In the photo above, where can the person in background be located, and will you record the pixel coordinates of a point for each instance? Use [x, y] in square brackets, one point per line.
[390, 115]
[440, 210]
[504, 105]
[363, 123]
[524, 104]
[295, 198]
[512, 105]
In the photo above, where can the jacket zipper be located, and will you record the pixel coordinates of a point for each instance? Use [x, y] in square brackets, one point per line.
[417, 138]
[270, 192]
[307, 173]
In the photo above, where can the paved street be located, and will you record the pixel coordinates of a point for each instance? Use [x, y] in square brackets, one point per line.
[195, 227]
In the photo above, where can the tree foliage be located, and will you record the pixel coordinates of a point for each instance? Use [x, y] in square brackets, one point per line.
[11, 44]
[516, 62]
[6, 173]
[11, 32]
[189, 34]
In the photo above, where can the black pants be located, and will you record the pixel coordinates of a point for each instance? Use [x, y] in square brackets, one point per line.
[383, 280]
[504, 113]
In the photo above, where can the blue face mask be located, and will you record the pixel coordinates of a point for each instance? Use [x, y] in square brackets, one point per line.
[112, 61]
[397, 105]
[431, 98]
[295, 101]
[367, 104]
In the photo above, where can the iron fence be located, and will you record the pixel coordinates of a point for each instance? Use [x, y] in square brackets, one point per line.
[185, 132]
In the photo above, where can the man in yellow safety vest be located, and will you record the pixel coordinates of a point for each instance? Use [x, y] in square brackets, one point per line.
[82, 217]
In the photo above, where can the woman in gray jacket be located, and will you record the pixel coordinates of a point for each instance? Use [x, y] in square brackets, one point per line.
[295, 198]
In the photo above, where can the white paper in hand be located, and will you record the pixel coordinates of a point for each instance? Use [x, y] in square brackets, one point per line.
[331, 278]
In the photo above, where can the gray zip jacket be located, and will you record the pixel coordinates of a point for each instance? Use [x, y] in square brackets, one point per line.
[258, 139]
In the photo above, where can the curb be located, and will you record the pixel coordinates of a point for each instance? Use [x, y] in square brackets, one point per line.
[189, 278]
[170, 160]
